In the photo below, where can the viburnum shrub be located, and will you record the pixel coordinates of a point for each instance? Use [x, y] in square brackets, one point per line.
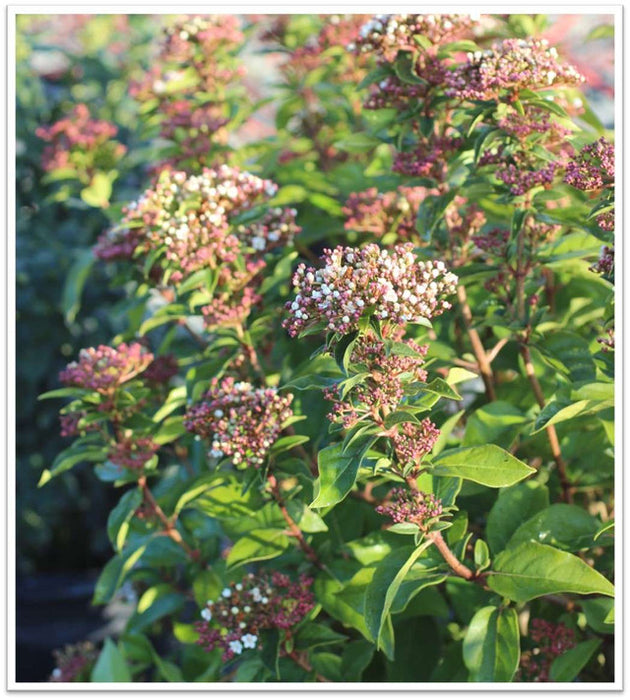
[361, 416]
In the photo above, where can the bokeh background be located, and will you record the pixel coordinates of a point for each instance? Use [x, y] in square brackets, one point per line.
[64, 304]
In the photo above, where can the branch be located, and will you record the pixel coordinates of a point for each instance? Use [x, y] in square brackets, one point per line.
[169, 525]
[552, 436]
[294, 530]
[477, 345]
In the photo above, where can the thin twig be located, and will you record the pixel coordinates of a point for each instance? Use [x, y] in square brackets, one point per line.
[477, 346]
[169, 524]
[294, 530]
[552, 435]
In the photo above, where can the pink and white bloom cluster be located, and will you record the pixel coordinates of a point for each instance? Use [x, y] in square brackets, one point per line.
[192, 218]
[104, 368]
[240, 420]
[511, 66]
[385, 35]
[258, 602]
[392, 285]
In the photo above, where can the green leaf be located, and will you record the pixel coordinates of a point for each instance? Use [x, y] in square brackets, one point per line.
[597, 611]
[513, 506]
[442, 388]
[532, 570]
[491, 647]
[488, 465]
[114, 573]
[355, 659]
[357, 143]
[172, 429]
[497, 422]
[313, 635]
[386, 583]
[567, 666]
[343, 351]
[118, 521]
[99, 191]
[207, 585]
[70, 457]
[558, 412]
[561, 525]
[396, 417]
[75, 281]
[481, 555]
[163, 602]
[306, 519]
[338, 471]
[608, 526]
[568, 353]
[258, 545]
[110, 666]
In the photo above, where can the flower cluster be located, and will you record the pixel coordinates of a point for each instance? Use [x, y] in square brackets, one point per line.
[593, 168]
[533, 120]
[606, 263]
[393, 285]
[552, 640]
[131, 451]
[161, 370]
[385, 35]
[520, 180]
[240, 421]
[404, 506]
[81, 144]
[234, 621]
[189, 83]
[73, 424]
[104, 368]
[511, 66]
[428, 158]
[384, 388]
[379, 213]
[74, 663]
[192, 218]
[413, 441]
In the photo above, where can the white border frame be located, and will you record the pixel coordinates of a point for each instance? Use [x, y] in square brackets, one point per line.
[9, 345]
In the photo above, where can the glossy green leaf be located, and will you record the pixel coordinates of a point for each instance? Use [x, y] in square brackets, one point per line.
[560, 525]
[513, 506]
[258, 545]
[566, 667]
[491, 647]
[110, 666]
[118, 521]
[338, 471]
[488, 465]
[531, 570]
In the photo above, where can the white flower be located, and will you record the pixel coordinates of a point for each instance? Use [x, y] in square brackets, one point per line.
[256, 594]
[249, 641]
[226, 592]
[57, 672]
[239, 586]
[236, 646]
[259, 243]
[206, 614]
[234, 610]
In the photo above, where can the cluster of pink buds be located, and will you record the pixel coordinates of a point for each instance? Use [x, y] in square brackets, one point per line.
[234, 622]
[192, 217]
[161, 370]
[393, 285]
[241, 422]
[428, 158]
[131, 451]
[404, 506]
[104, 368]
[534, 120]
[606, 263]
[521, 180]
[385, 35]
[73, 424]
[552, 640]
[74, 663]
[511, 66]
[383, 390]
[197, 57]
[337, 31]
[80, 143]
[379, 213]
[593, 168]
[413, 441]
